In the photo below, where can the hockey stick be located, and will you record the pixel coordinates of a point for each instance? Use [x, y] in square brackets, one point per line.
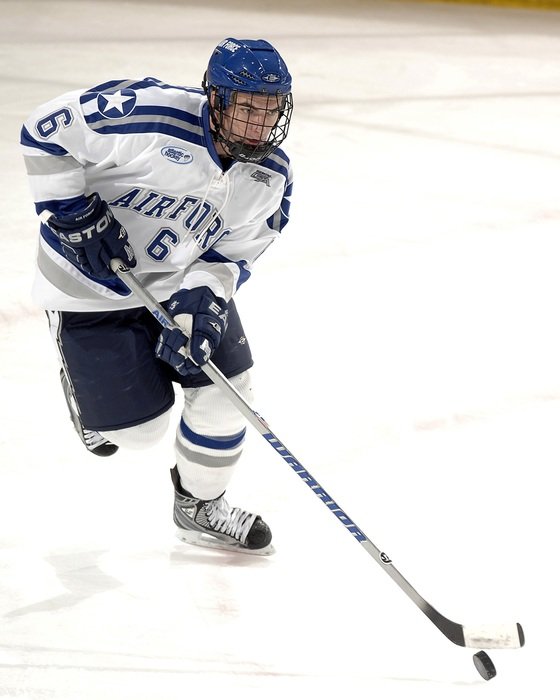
[508, 636]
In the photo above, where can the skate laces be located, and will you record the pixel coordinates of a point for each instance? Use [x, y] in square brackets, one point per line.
[234, 522]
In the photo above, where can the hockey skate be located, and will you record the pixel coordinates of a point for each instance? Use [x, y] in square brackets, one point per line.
[94, 442]
[215, 524]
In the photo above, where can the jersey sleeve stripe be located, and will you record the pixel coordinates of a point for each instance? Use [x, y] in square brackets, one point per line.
[282, 215]
[50, 165]
[212, 256]
[62, 207]
[57, 276]
[52, 148]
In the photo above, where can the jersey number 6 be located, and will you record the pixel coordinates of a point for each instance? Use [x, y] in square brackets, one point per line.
[160, 247]
[51, 124]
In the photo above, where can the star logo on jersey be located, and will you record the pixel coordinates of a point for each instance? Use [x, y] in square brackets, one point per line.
[116, 105]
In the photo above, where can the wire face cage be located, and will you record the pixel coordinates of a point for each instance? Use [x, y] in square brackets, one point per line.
[250, 125]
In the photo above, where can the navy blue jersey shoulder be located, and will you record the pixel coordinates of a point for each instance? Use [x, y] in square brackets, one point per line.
[120, 109]
[133, 84]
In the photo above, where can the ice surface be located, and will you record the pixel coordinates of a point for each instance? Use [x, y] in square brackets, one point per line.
[406, 336]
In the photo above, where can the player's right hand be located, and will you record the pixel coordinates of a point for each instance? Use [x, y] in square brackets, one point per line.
[92, 237]
[203, 318]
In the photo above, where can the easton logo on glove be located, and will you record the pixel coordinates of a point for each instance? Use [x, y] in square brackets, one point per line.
[89, 233]
[92, 237]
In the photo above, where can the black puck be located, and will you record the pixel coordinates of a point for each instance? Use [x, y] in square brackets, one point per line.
[484, 665]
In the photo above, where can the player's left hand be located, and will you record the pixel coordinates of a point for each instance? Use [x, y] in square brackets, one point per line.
[202, 320]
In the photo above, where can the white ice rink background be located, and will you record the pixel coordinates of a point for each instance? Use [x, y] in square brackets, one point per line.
[405, 331]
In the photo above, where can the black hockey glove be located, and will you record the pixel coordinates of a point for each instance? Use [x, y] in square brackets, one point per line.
[202, 317]
[92, 237]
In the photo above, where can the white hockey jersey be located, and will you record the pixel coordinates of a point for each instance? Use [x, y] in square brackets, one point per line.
[146, 148]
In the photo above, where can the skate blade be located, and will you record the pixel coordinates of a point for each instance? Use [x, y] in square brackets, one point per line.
[202, 539]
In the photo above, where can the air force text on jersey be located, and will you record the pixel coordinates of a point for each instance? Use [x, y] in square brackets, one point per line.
[192, 213]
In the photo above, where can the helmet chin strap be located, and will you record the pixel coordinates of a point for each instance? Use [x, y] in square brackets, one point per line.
[239, 151]
[247, 154]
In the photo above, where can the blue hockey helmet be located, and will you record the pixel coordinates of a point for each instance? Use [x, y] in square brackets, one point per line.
[255, 70]
[250, 66]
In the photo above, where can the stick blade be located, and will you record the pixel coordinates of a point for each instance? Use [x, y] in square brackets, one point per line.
[494, 636]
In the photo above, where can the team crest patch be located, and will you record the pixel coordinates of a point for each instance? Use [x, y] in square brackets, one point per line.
[116, 105]
[176, 154]
[260, 176]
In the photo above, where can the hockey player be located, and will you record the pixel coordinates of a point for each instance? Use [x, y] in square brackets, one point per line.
[188, 187]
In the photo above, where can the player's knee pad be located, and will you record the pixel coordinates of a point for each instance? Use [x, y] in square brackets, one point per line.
[208, 411]
[138, 437]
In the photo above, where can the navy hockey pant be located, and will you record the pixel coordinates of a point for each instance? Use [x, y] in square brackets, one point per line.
[117, 380]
